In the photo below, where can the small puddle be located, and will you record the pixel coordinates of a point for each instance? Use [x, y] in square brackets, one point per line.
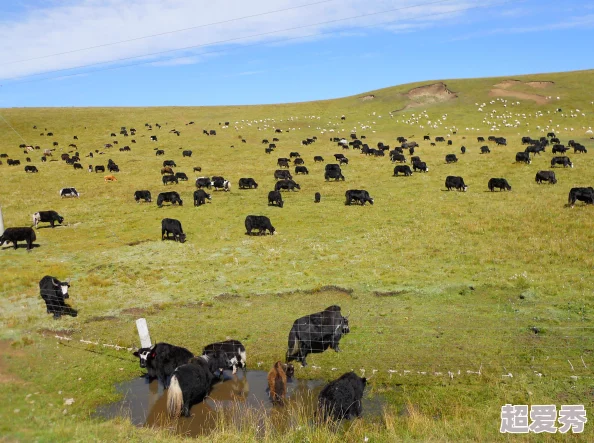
[146, 403]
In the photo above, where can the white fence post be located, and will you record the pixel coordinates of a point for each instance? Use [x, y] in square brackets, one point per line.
[143, 333]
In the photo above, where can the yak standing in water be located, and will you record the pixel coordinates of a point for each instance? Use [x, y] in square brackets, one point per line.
[315, 333]
[191, 382]
[277, 383]
[341, 398]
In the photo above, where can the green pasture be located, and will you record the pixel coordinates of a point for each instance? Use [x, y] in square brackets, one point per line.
[449, 293]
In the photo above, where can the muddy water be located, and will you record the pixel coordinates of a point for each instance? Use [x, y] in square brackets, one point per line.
[146, 404]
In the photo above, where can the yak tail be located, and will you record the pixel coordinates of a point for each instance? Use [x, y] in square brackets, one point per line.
[175, 398]
[293, 346]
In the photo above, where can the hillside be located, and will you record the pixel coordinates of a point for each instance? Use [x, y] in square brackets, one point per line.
[436, 281]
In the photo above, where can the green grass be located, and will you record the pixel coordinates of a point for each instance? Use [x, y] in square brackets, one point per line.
[438, 282]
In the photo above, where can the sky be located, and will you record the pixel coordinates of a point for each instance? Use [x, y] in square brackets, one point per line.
[233, 52]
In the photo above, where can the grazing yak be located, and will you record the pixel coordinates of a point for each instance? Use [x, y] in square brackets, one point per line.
[454, 182]
[397, 157]
[142, 195]
[317, 197]
[420, 166]
[451, 158]
[523, 157]
[31, 168]
[54, 292]
[68, 193]
[110, 178]
[546, 176]
[171, 197]
[200, 197]
[203, 182]
[333, 171]
[585, 195]
[314, 333]
[275, 198]
[221, 183]
[247, 183]
[169, 179]
[47, 217]
[161, 359]
[191, 383]
[181, 176]
[259, 222]
[403, 169]
[301, 170]
[559, 149]
[561, 161]
[172, 226]
[341, 398]
[318, 158]
[499, 183]
[277, 382]
[233, 350]
[288, 185]
[282, 174]
[186, 153]
[15, 235]
[359, 196]
[167, 170]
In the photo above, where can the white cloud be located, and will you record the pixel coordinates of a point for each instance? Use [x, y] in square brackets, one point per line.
[583, 22]
[65, 27]
[190, 60]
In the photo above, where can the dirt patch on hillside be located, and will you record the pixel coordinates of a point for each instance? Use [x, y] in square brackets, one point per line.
[138, 242]
[134, 311]
[437, 92]
[505, 84]
[52, 333]
[540, 85]
[427, 95]
[495, 92]
[367, 97]
[389, 293]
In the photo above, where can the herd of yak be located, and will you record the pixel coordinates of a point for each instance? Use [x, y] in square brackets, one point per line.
[333, 171]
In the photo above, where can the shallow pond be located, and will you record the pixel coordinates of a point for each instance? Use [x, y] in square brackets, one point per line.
[145, 404]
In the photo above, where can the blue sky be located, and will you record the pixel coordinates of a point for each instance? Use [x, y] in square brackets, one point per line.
[99, 53]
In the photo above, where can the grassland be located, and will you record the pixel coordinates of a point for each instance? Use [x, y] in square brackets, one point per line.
[440, 285]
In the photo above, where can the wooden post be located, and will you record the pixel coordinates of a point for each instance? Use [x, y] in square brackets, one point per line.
[143, 333]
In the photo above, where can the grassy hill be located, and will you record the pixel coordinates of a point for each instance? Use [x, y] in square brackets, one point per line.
[438, 283]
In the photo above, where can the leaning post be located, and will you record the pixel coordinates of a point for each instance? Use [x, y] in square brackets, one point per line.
[143, 333]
